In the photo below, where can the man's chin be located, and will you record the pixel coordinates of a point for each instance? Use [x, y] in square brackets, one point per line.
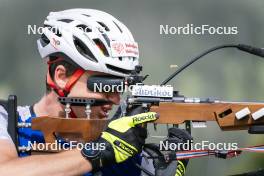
[102, 116]
[99, 116]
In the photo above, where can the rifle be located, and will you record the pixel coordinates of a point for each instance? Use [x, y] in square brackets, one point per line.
[177, 109]
[173, 107]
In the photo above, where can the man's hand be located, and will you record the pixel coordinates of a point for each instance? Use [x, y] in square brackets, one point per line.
[123, 139]
[165, 162]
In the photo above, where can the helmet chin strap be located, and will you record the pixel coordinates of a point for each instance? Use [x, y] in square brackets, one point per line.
[64, 92]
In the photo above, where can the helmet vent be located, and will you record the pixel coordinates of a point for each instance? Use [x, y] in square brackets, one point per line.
[103, 25]
[106, 39]
[44, 40]
[84, 28]
[118, 27]
[86, 15]
[101, 46]
[116, 69]
[66, 20]
[83, 49]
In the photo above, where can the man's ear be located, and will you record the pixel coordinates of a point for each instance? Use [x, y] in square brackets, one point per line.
[60, 77]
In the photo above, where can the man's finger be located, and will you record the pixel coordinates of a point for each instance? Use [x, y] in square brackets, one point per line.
[125, 123]
[144, 117]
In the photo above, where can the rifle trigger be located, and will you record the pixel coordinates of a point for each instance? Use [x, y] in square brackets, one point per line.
[155, 126]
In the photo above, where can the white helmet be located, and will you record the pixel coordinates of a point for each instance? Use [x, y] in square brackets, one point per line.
[92, 39]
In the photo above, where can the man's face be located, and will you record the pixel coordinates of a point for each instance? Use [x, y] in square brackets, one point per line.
[80, 90]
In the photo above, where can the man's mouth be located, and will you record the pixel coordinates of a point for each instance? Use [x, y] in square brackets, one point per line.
[105, 110]
[104, 114]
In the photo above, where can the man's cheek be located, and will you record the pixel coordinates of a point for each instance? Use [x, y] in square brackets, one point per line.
[79, 111]
[95, 112]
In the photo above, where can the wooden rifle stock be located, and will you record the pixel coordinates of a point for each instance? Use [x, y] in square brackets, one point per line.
[80, 128]
[224, 113]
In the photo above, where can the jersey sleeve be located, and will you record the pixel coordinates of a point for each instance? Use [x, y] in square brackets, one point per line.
[3, 124]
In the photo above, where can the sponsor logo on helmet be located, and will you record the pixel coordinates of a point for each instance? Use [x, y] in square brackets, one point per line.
[55, 43]
[118, 47]
[124, 49]
[131, 45]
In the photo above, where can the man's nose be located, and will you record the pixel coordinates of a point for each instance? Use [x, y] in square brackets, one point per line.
[114, 97]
